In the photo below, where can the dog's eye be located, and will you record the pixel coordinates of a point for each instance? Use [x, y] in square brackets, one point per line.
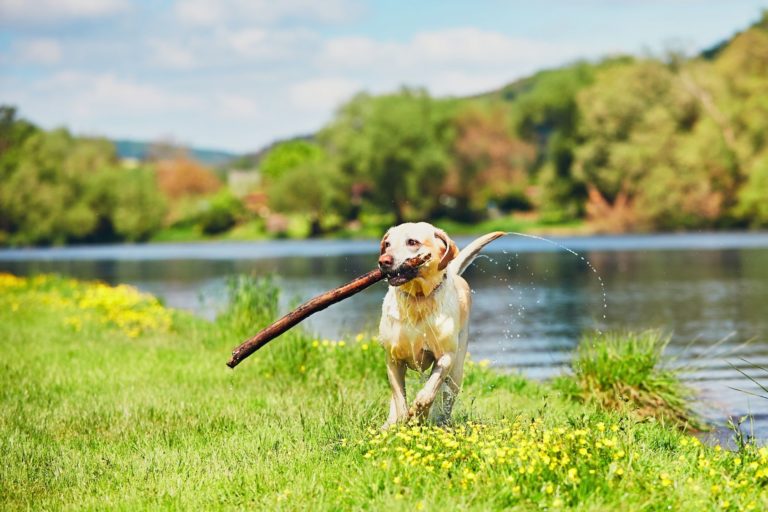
[412, 243]
[386, 245]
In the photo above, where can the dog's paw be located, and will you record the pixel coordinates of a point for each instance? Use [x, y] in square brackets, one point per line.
[421, 405]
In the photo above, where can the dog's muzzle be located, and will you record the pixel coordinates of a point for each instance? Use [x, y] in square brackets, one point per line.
[407, 271]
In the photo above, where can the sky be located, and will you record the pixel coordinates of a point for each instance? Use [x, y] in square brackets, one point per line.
[239, 74]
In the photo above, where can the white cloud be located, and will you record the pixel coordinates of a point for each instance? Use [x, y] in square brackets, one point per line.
[321, 94]
[463, 83]
[91, 93]
[43, 12]
[360, 52]
[475, 46]
[247, 42]
[200, 12]
[174, 56]
[259, 44]
[454, 47]
[262, 12]
[38, 51]
[235, 106]
[237, 51]
[448, 62]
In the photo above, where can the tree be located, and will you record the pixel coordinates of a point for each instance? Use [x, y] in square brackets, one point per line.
[741, 109]
[139, 206]
[641, 131]
[546, 114]
[45, 199]
[13, 133]
[753, 196]
[395, 146]
[312, 189]
[289, 155]
[488, 162]
[180, 177]
[57, 188]
[221, 212]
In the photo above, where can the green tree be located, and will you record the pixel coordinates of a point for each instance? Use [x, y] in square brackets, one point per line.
[645, 144]
[739, 107]
[286, 156]
[222, 211]
[44, 198]
[139, 206]
[57, 188]
[13, 133]
[752, 203]
[394, 145]
[312, 189]
[546, 114]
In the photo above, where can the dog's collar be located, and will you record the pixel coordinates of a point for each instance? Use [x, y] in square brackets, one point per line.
[421, 295]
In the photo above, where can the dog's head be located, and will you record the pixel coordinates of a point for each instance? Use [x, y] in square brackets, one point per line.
[401, 244]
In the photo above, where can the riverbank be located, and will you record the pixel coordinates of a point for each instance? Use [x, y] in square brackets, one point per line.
[112, 401]
[371, 226]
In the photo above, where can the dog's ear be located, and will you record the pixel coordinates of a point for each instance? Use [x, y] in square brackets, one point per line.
[384, 242]
[451, 251]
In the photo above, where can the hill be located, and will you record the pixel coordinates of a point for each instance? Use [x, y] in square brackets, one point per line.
[140, 150]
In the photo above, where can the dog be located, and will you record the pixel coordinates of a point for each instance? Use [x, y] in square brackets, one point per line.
[425, 315]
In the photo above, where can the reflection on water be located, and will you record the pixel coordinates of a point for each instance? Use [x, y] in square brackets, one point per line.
[530, 303]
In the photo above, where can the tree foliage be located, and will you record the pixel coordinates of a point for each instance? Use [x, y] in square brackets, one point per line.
[179, 176]
[57, 188]
[289, 155]
[489, 163]
[313, 189]
[394, 145]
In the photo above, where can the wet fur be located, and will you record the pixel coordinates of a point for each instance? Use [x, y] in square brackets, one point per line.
[425, 320]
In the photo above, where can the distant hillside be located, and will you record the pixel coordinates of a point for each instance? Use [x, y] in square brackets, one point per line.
[140, 150]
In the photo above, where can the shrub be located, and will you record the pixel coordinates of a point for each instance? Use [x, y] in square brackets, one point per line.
[221, 213]
[619, 370]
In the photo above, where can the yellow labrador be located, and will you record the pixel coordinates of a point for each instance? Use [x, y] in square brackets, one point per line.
[425, 315]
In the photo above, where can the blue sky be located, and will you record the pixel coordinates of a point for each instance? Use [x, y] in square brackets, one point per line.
[237, 74]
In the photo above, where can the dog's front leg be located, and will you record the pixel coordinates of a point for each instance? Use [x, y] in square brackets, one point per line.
[398, 406]
[428, 393]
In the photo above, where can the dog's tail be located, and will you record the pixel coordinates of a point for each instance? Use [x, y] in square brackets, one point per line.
[468, 254]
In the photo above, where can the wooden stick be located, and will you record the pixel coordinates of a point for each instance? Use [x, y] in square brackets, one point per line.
[310, 307]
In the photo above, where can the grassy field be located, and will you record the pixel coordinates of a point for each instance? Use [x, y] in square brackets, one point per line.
[110, 401]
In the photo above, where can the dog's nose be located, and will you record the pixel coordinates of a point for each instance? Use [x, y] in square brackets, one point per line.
[385, 261]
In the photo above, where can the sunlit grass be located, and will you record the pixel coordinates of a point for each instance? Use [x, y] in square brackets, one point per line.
[525, 461]
[629, 372]
[94, 417]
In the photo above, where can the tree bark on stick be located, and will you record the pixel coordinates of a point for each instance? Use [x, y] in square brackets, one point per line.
[312, 306]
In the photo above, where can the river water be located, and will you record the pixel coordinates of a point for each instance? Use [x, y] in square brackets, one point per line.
[531, 299]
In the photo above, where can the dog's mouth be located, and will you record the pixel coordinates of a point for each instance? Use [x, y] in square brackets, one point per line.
[407, 271]
[402, 275]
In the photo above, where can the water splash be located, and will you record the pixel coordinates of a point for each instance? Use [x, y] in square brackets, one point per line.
[582, 258]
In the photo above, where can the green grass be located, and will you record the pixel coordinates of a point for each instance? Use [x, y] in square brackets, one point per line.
[178, 234]
[106, 413]
[628, 371]
[512, 223]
